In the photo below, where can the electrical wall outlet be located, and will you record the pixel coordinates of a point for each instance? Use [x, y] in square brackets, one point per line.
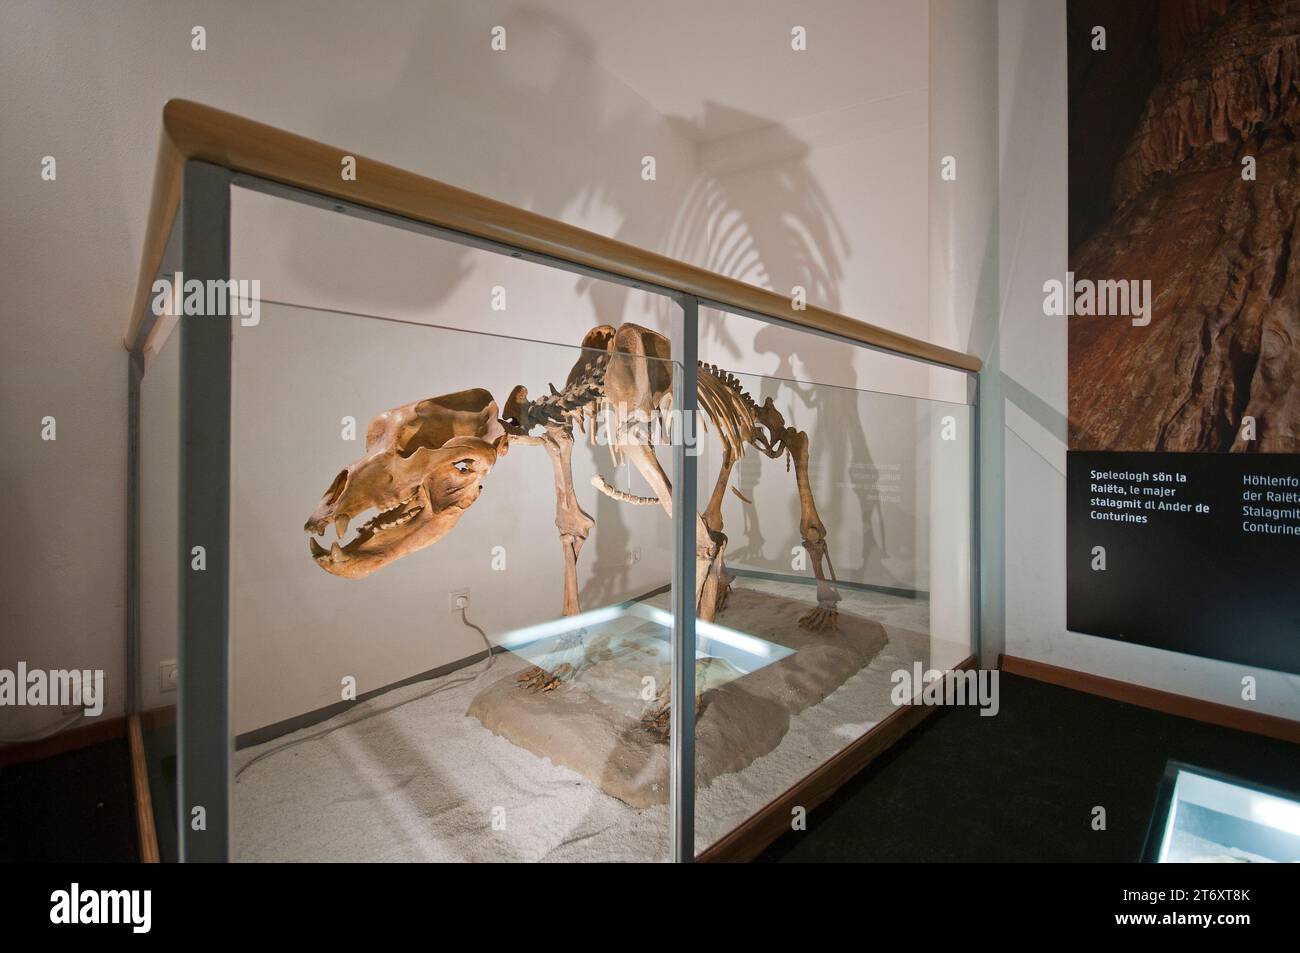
[634, 556]
[454, 598]
[167, 675]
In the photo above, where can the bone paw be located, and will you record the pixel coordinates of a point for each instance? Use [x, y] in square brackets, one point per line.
[820, 619]
[657, 721]
[538, 679]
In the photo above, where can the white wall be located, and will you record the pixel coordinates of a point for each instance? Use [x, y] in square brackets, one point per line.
[963, 262]
[1033, 137]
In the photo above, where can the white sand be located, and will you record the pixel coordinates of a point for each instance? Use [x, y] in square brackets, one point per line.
[423, 781]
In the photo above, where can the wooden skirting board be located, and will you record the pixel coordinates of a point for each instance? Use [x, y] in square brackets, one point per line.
[83, 736]
[752, 837]
[1228, 716]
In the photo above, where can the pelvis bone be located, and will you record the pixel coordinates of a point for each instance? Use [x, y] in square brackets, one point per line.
[423, 467]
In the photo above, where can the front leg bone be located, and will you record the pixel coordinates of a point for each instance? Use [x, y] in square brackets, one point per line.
[574, 526]
[570, 519]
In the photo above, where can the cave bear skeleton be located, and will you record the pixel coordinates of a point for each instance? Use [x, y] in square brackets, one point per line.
[424, 464]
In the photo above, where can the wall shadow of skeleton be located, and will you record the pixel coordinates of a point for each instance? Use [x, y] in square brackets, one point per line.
[792, 238]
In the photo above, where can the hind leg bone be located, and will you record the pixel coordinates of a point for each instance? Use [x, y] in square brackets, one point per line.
[712, 595]
[813, 531]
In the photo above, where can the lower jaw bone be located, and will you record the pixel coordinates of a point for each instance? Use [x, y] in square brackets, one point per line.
[334, 555]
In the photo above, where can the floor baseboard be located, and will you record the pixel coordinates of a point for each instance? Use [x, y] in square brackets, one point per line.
[82, 736]
[1214, 713]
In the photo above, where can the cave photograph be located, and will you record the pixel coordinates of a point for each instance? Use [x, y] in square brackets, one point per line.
[1183, 161]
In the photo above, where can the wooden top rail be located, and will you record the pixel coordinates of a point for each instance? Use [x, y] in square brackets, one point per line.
[193, 131]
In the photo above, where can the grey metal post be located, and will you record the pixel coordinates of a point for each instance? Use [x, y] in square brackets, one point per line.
[681, 801]
[203, 738]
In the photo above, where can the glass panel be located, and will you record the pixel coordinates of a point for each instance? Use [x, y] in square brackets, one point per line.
[1213, 818]
[159, 555]
[369, 723]
[844, 520]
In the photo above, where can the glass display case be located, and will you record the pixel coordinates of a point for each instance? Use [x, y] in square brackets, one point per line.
[1204, 817]
[456, 550]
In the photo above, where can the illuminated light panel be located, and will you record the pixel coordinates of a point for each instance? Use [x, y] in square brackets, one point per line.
[754, 652]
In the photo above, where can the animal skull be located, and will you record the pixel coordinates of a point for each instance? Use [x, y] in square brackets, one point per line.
[423, 467]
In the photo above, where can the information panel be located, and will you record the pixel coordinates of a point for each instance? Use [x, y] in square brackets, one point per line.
[1183, 308]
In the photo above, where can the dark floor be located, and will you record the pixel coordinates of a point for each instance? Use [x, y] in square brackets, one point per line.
[76, 806]
[1021, 786]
